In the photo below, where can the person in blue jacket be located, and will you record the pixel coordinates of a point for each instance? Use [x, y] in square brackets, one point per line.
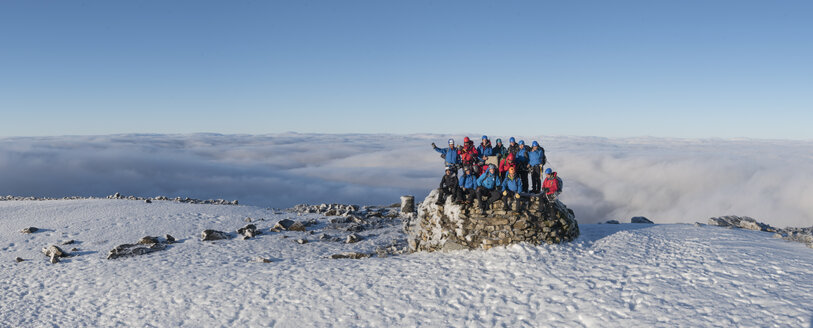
[484, 148]
[451, 155]
[511, 186]
[521, 158]
[467, 186]
[489, 184]
[536, 160]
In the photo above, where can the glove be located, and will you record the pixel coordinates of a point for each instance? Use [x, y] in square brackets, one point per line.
[516, 195]
[505, 193]
[433, 145]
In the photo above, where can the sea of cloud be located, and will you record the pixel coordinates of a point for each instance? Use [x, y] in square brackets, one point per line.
[667, 180]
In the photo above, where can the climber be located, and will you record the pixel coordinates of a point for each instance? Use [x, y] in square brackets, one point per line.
[552, 185]
[488, 185]
[448, 186]
[506, 163]
[521, 158]
[468, 154]
[451, 155]
[467, 186]
[499, 151]
[536, 160]
[484, 149]
[513, 147]
[511, 186]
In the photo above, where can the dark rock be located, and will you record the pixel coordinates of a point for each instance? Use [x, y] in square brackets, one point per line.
[262, 260]
[324, 236]
[302, 241]
[249, 231]
[127, 250]
[310, 222]
[742, 222]
[289, 225]
[214, 235]
[297, 226]
[29, 230]
[407, 204]
[640, 219]
[53, 250]
[74, 249]
[148, 201]
[148, 240]
[169, 239]
[68, 242]
[612, 222]
[19, 259]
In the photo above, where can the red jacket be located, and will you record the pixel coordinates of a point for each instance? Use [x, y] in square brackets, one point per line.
[552, 184]
[507, 163]
[469, 154]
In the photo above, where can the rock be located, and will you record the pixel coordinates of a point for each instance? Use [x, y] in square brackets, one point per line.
[68, 242]
[262, 260]
[302, 241]
[169, 238]
[53, 250]
[640, 219]
[247, 220]
[289, 225]
[148, 240]
[29, 230]
[214, 235]
[352, 238]
[310, 222]
[19, 259]
[249, 231]
[742, 222]
[74, 249]
[407, 204]
[148, 201]
[127, 250]
[54, 259]
[324, 236]
[452, 226]
[612, 222]
[350, 255]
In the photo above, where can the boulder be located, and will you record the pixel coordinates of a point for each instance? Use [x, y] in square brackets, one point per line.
[127, 250]
[742, 222]
[53, 250]
[447, 227]
[169, 238]
[302, 241]
[352, 238]
[19, 259]
[29, 230]
[148, 240]
[407, 204]
[612, 222]
[640, 219]
[289, 225]
[214, 235]
[249, 231]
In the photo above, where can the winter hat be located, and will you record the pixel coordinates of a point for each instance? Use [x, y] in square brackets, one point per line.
[511, 139]
[451, 141]
[548, 171]
[499, 141]
[484, 138]
[522, 142]
[466, 140]
[535, 144]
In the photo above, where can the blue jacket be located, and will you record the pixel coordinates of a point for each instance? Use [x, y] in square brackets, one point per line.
[535, 157]
[485, 151]
[514, 184]
[489, 181]
[522, 156]
[452, 157]
[468, 181]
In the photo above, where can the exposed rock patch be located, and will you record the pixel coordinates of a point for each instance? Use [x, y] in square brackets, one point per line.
[350, 255]
[533, 220]
[214, 235]
[640, 219]
[742, 222]
[30, 230]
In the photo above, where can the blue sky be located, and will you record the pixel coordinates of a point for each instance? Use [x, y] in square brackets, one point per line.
[691, 69]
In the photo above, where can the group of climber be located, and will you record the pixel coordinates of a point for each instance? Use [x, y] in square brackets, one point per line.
[496, 172]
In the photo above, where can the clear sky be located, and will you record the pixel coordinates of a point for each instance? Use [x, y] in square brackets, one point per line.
[593, 68]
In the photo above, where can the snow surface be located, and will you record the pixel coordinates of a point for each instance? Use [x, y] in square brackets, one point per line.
[628, 275]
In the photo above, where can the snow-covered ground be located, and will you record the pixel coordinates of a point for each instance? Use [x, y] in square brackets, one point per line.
[628, 275]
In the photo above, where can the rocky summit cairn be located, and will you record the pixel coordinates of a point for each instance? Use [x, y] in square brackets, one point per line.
[451, 227]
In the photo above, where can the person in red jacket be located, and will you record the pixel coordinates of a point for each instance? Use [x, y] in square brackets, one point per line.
[469, 154]
[505, 164]
[552, 185]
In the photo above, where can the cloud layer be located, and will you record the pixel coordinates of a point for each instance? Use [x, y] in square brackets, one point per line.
[667, 180]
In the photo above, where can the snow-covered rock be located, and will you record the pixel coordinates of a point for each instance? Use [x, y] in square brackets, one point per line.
[214, 235]
[743, 222]
[450, 226]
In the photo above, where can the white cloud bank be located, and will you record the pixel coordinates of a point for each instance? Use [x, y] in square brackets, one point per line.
[667, 180]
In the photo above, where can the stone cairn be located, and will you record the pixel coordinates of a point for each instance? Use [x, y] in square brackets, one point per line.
[451, 227]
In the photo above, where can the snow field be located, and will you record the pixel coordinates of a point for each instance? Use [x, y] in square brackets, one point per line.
[628, 275]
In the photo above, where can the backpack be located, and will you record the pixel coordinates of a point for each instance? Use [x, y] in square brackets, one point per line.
[559, 183]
